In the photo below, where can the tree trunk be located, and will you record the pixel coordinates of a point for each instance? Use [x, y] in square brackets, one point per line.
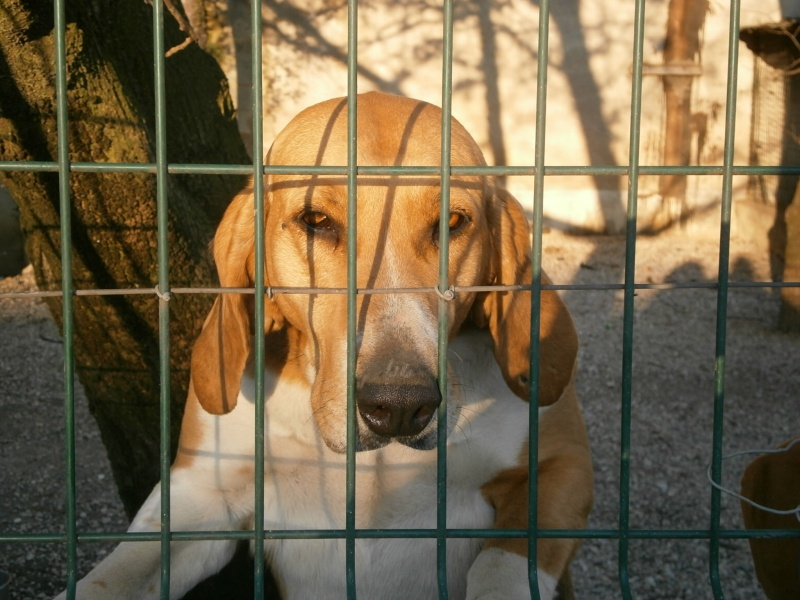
[684, 22]
[111, 102]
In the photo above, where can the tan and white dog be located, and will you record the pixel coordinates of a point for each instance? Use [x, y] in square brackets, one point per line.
[397, 392]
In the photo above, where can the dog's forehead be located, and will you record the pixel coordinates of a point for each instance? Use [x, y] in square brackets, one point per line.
[391, 131]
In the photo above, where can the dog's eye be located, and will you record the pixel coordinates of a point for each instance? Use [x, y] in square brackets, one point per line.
[455, 222]
[317, 221]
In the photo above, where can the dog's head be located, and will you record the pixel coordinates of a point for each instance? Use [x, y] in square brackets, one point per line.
[397, 247]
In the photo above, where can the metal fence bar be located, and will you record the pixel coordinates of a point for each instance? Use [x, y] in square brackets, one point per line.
[698, 285]
[516, 170]
[328, 534]
[444, 284]
[163, 289]
[542, 64]
[722, 300]
[628, 302]
[62, 120]
[352, 291]
[257, 169]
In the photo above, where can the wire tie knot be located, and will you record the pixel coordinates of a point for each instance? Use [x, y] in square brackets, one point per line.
[270, 293]
[447, 295]
[165, 296]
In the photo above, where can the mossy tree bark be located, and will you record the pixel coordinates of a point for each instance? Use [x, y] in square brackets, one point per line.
[111, 103]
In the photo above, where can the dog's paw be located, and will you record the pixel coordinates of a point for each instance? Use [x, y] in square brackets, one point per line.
[501, 575]
[97, 589]
[84, 593]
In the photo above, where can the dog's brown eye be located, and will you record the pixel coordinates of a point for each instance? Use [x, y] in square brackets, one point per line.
[317, 220]
[456, 220]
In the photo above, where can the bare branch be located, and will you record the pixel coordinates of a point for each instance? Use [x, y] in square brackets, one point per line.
[185, 25]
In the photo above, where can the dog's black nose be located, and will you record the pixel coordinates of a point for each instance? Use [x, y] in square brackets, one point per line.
[397, 410]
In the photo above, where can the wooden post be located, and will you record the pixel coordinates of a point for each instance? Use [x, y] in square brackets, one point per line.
[789, 319]
[684, 23]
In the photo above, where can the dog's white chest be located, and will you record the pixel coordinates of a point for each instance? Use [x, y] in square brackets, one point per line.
[395, 488]
[390, 494]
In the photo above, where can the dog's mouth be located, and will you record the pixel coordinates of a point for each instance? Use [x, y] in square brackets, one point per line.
[367, 439]
[422, 441]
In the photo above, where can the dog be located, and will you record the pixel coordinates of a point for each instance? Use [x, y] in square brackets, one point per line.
[397, 392]
[773, 480]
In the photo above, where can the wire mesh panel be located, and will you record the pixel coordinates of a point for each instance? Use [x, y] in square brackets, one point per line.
[625, 535]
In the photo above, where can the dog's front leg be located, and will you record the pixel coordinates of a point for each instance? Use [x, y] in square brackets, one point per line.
[133, 570]
[565, 498]
[501, 569]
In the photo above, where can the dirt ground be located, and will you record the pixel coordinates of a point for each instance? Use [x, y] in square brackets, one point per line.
[672, 396]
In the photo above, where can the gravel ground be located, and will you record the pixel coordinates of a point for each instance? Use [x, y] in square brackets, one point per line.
[673, 382]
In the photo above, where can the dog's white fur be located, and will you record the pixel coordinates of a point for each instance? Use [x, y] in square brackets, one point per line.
[211, 480]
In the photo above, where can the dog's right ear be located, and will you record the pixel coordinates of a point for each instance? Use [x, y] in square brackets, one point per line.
[223, 347]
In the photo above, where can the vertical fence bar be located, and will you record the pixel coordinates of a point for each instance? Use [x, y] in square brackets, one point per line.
[67, 288]
[352, 298]
[542, 62]
[163, 287]
[722, 297]
[258, 349]
[444, 261]
[629, 295]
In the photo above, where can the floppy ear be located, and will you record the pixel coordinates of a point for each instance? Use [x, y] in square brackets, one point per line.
[223, 347]
[507, 315]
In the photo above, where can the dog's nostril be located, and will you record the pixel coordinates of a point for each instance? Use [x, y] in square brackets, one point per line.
[424, 415]
[379, 413]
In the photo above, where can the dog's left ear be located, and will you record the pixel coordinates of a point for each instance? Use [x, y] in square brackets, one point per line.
[507, 314]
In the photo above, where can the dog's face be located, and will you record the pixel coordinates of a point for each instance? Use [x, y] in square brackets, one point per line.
[306, 233]
[398, 247]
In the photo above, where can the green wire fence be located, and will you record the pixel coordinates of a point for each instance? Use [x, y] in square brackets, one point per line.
[623, 533]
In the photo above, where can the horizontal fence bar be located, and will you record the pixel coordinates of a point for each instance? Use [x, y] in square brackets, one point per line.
[290, 534]
[578, 287]
[409, 170]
